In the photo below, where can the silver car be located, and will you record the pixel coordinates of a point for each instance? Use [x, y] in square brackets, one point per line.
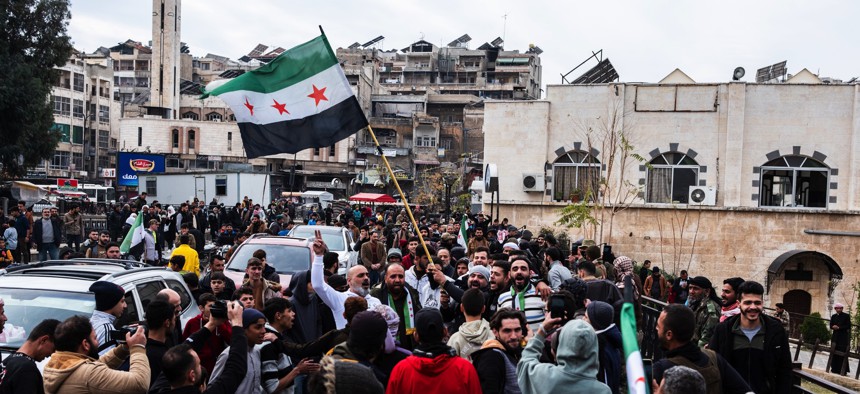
[60, 289]
[338, 240]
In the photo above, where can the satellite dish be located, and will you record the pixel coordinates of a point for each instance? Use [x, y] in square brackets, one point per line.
[738, 74]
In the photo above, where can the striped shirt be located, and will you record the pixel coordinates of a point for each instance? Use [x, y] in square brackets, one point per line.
[528, 301]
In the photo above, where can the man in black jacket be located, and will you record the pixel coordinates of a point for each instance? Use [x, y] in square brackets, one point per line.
[181, 366]
[675, 331]
[755, 344]
[496, 362]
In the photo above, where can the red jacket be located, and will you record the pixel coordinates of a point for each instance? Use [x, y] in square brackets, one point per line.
[216, 344]
[442, 374]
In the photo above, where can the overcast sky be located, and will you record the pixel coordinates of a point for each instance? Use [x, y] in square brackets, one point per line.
[645, 40]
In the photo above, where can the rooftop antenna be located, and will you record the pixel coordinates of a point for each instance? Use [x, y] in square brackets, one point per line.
[504, 25]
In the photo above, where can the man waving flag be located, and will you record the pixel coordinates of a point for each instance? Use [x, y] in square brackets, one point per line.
[299, 100]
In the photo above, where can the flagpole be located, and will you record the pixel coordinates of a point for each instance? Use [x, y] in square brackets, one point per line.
[399, 190]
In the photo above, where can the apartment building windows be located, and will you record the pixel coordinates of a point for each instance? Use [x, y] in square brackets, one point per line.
[175, 139]
[331, 151]
[316, 151]
[61, 160]
[104, 114]
[62, 106]
[221, 185]
[78, 109]
[78, 84]
[213, 117]
[104, 139]
[78, 160]
[229, 141]
[151, 185]
[190, 115]
[192, 140]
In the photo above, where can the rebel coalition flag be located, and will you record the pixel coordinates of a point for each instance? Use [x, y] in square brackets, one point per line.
[299, 100]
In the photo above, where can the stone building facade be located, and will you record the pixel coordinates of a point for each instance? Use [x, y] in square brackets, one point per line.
[776, 165]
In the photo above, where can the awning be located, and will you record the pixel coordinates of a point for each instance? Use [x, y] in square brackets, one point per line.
[372, 197]
[426, 162]
[777, 265]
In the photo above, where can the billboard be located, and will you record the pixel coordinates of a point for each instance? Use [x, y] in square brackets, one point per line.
[130, 164]
[67, 184]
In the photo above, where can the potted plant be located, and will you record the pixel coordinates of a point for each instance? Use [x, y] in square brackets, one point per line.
[576, 195]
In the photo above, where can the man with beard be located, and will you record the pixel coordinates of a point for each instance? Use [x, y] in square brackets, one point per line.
[430, 284]
[478, 241]
[477, 278]
[675, 332]
[373, 256]
[523, 296]
[755, 344]
[705, 305]
[498, 284]
[359, 284]
[480, 256]
[445, 256]
[98, 250]
[77, 368]
[497, 360]
[679, 289]
[110, 304]
[840, 323]
[401, 297]
[730, 305]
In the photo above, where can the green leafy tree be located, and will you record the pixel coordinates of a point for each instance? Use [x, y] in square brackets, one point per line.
[33, 41]
[814, 327]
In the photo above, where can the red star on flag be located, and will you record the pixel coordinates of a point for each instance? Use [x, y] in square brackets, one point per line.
[318, 95]
[250, 107]
[281, 107]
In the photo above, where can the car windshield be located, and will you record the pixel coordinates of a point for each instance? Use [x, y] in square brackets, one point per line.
[286, 259]
[27, 308]
[334, 241]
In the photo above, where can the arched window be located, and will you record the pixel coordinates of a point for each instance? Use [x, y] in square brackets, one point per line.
[213, 117]
[670, 176]
[794, 181]
[574, 174]
[190, 115]
[175, 138]
[192, 139]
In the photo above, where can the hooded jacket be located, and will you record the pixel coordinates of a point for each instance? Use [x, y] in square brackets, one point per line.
[313, 318]
[442, 373]
[470, 338]
[71, 373]
[577, 363]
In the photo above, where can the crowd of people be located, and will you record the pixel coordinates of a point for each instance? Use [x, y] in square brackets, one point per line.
[503, 311]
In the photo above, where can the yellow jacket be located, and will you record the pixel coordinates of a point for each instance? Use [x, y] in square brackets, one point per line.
[192, 260]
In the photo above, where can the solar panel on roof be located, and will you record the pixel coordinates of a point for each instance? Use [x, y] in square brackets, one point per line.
[497, 42]
[258, 50]
[373, 41]
[461, 40]
[603, 72]
[354, 45]
[774, 71]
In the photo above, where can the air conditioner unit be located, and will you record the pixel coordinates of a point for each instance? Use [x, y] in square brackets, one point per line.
[533, 183]
[703, 195]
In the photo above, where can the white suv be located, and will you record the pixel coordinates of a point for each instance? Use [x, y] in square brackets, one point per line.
[59, 289]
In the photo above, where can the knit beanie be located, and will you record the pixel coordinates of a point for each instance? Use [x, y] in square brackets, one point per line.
[337, 376]
[393, 322]
[600, 314]
[107, 294]
[481, 270]
[251, 316]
